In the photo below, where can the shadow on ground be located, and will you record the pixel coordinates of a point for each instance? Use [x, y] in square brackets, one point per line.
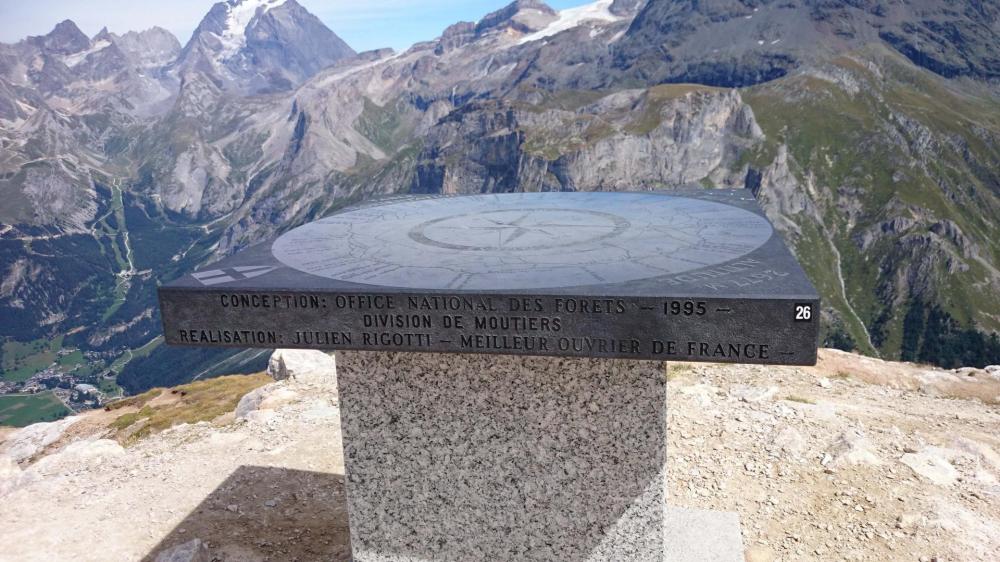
[264, 513]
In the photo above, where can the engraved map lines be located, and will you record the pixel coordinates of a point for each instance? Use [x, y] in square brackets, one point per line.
[541, 228]
[522, 241]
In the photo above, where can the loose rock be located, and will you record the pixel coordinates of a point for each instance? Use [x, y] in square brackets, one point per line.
[191, 551]
[747, 393]
[932, 463]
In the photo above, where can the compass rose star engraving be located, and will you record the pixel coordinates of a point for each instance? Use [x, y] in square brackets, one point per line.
[519, 229]
[510, 230]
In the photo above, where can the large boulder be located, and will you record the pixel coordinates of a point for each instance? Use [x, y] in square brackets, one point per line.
[303, 366]
[10, 474]
[31, 440]
[933, 464]
[852, 447]
[292, 368]
[265, 398]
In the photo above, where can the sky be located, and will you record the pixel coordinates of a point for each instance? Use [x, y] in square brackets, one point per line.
[364, 25]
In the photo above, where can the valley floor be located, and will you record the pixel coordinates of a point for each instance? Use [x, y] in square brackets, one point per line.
[855, 459]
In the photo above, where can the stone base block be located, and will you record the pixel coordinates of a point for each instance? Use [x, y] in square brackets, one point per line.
[703, 536]
[476, 457]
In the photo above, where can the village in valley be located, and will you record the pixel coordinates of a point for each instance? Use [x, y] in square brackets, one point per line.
[43, 381]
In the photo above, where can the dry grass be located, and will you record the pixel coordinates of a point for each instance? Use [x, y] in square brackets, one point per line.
[986, 393]
[137, 401]
[906, 376]
[160, 409]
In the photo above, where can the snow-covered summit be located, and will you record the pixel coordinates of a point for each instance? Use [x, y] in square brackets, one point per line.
[240, 14]
[259, 46]
[573, 17]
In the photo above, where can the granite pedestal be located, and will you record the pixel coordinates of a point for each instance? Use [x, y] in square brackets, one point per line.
[530, 425]
[474, 457]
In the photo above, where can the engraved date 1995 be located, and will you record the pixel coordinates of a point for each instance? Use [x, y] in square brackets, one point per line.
[685, 308]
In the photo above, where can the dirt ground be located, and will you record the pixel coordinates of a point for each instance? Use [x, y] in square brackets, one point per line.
[819, 462]
[854, 459]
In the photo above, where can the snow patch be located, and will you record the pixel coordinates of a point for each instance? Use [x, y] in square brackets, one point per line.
[328, 80]
[573, 17]
[29, 109]
[241, 13]
[77, 58]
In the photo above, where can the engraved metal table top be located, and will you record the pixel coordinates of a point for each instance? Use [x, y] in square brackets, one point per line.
[522, 240]
[713, 242]
[694, 276]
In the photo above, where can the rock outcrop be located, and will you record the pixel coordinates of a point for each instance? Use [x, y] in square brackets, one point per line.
[304, 366]
[29, 442]
[662, 137]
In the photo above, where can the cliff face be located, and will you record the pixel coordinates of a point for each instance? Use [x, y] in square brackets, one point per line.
[233, 468]
[666, 136]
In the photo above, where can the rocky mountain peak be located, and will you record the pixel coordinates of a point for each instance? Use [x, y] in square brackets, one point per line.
[240, 14]
[261, 45]
[102, 34]
[455, 36]
[523, 16]
[66, 38]
[291, 38]
[87, 75]
[624, 8]
[153, 47]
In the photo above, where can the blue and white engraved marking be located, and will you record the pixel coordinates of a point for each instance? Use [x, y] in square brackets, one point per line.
[230, 274]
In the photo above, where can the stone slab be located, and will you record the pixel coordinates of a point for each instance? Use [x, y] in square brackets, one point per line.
[702, 536]
[474, 457]
[692, 276]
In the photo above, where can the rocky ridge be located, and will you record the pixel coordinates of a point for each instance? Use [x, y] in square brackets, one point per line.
[768, 39]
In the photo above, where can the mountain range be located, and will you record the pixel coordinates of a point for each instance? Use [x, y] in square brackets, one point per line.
[869, 130]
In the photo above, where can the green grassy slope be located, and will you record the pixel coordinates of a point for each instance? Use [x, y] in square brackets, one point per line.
[20, 410]
[884, 143]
